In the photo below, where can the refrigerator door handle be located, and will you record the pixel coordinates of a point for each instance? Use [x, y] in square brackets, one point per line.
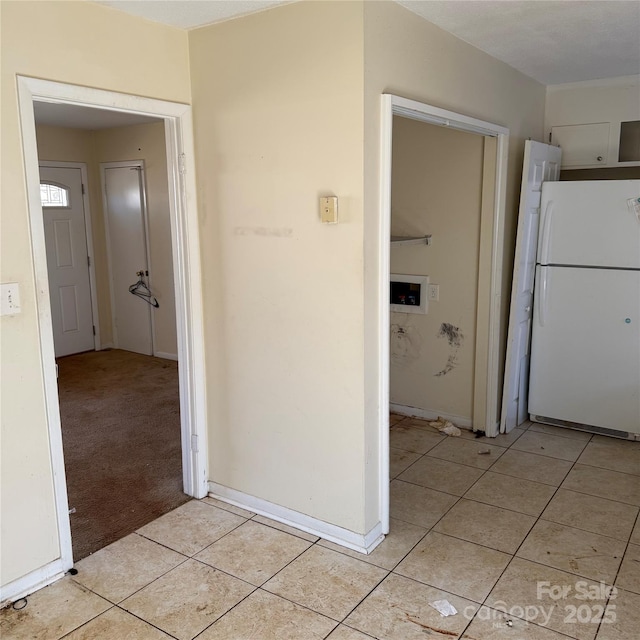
[546, 233]
[541, 298]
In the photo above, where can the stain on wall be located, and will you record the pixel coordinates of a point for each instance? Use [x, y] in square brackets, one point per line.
[405, 344]
[455, 338]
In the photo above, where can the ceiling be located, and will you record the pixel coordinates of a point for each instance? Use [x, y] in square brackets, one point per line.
[77, 117]
[189, 14]
[553, 41]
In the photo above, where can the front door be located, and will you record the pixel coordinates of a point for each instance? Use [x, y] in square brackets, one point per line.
[67, 259]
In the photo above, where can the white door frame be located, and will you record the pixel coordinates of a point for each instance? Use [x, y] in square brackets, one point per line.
[186, 266]
[395, 105]
[145, 222]
[89, 236]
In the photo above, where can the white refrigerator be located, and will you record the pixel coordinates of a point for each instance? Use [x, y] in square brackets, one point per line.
[585, 344]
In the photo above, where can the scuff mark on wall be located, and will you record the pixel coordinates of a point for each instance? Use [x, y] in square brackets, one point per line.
[275, 232]
[455, 338]
[404, 344]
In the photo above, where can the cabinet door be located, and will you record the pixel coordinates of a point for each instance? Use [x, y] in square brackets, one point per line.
[582, 145]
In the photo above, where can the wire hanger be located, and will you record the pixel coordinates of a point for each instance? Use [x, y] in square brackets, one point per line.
[141, 290]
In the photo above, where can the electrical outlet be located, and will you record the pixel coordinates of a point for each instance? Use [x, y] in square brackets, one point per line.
[433, 292]
[10, 295]
[329, 210]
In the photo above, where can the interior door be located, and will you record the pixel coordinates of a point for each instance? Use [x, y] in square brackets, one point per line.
[541, 164]
[67, 259]
[126, 227]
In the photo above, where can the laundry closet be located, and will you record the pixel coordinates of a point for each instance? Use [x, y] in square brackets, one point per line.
[436, 200]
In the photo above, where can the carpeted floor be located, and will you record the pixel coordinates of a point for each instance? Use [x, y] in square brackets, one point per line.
[121, 435]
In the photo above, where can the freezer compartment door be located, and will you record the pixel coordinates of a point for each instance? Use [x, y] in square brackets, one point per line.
[594, 223]
[585, 349]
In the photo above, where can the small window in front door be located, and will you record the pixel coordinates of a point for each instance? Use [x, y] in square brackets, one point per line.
[54, 195]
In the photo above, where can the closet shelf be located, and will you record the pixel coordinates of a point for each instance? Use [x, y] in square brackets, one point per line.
[404, 240]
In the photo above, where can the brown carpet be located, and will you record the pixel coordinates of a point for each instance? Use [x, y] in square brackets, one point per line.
[121, 435]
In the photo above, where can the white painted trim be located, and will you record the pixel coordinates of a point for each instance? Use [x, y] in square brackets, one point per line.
[187, 279]
[428, 414]
[45, 334]
[434, 115]
[618, 81]
[88, 228]
[384, 320]
[358, 542]
[33, 581]
[426, 113]
[166, 356]
[106, 345]
[497, 250]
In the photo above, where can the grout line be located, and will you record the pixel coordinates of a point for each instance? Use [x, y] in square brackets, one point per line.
[595, 533]
[66, 635]
[225, 613]
[595, 466]
[367, 595]
[415, 484]
[593, 495]
[151, 624]
[344, 624]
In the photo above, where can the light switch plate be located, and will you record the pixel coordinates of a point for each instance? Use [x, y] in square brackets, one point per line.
[329, 210]
[10, 299]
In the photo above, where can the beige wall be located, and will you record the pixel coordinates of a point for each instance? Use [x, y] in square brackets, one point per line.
[436, 189]
[278, 117]
[70, 42]
[409, 57]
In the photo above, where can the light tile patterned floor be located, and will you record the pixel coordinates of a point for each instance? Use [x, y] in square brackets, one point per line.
[498, 527]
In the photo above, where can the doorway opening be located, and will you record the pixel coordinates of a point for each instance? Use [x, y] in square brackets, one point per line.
[484, 368]
[181, 234]
[436, 195]
[120, 412]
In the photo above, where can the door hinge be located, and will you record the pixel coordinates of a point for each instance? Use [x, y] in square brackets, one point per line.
[182, 163]
[88, 261]
[94, 329]
[194, 443]
[549, 137]
[83, 190]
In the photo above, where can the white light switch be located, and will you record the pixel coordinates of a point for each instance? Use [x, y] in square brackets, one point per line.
[10, 298]
[329, 210]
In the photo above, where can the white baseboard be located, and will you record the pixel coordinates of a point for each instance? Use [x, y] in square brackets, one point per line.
[427, 414]
[166, 356]
[106, 345]
[358, 542]
[31, 582]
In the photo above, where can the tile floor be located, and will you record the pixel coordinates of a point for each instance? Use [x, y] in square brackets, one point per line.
[524, 534]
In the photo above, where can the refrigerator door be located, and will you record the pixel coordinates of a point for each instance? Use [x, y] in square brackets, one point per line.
[594, 223]
[585, 350]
